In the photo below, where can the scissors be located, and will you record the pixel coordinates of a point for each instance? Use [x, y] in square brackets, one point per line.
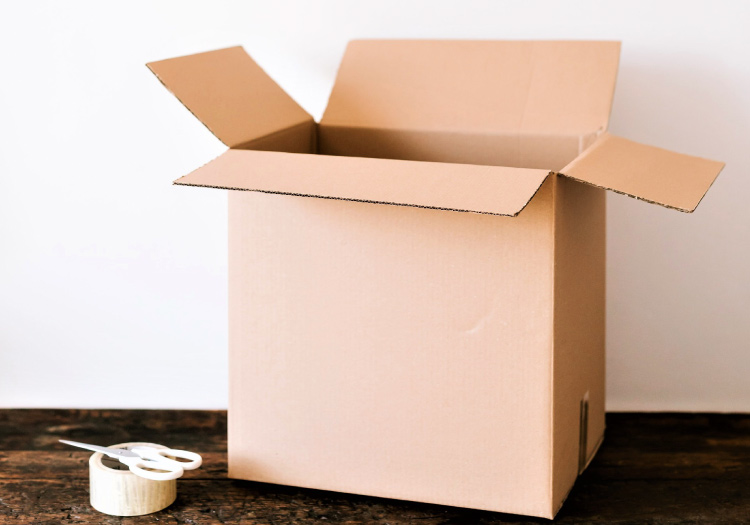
[144, 461]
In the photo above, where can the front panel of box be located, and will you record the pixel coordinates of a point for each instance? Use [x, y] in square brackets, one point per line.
[392, 351]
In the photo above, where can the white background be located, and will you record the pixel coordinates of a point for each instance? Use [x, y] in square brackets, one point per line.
[113, 282]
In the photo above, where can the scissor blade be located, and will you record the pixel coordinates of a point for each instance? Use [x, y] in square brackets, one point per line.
[111, 452]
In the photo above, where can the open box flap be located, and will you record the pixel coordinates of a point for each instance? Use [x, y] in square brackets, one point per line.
[645, 172]
[229, 93]
[503, 87]
[458, 187]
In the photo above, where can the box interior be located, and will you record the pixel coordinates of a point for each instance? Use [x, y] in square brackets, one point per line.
[530, 151]
[515, 104]
[507, 105]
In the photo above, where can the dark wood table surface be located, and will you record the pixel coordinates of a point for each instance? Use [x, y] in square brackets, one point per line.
[652, 468]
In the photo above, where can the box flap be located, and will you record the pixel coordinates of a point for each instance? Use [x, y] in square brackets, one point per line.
[457, 187]
[652, 174]
[227, 91]
[516, 87]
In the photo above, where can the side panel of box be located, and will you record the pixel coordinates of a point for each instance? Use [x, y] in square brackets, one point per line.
[392, 351]
[579, 324]
[550, 152]
[300, 138]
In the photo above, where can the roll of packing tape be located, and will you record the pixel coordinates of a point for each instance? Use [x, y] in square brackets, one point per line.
[118, 492]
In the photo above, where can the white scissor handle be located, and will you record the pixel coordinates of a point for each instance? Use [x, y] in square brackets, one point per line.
[192, 460]
[142, 467]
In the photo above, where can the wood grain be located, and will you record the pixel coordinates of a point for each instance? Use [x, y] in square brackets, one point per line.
[652, 468]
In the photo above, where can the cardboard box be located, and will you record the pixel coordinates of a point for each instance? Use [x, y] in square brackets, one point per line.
[431, 327]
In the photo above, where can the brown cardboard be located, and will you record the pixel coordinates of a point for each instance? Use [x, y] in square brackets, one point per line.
[233, 97]
[624, 166]
[375, 350]
[578, 327]
[408, 351]
[484, 87]
[457, 187]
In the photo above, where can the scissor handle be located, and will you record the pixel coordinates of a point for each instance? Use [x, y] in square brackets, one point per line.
[193, 460]
[142, 467]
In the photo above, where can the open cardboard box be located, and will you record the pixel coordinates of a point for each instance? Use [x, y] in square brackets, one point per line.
[381, 342]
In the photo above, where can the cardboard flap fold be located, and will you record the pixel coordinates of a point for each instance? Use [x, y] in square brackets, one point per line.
[503, 87]
[458, 187]
[645, 172]
[229, 93]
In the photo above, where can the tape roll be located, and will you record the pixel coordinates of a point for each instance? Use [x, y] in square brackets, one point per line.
[118, 492]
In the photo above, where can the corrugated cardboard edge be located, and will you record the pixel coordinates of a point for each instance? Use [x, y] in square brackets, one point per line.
[305, 117]
[636, 197]
[181, 182]
[178, 183]
[161, 81]
[603, 138]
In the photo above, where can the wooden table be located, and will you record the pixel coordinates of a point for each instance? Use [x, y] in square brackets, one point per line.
[652, 468]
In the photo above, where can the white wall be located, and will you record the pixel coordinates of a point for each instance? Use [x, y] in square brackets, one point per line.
[113, 282]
